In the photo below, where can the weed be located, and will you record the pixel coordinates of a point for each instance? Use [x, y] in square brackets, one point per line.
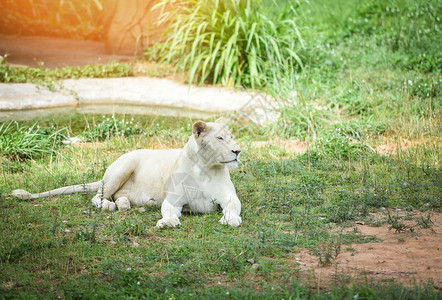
[328, 250]
[86, 235]
[424, 222]
[420, 222]
[20, 143]
[110, 127]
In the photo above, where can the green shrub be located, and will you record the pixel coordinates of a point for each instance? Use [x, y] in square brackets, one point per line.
[233, 42]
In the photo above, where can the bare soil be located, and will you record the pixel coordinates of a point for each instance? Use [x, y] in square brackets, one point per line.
[52, 52]
[295, 146]
[404, 257]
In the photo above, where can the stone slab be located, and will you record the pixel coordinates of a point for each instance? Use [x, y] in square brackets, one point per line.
[133, 92]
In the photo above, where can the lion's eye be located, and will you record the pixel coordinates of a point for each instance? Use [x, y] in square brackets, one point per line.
[220, 138]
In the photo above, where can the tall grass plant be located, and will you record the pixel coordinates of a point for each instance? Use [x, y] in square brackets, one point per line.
[232, 42]
[19, 142]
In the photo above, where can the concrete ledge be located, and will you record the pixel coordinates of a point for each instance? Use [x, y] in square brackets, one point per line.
[21, 96]
[156, 92]
[139, 91]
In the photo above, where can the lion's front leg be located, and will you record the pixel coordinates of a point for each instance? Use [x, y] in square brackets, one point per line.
[170, 213]
[231, 210]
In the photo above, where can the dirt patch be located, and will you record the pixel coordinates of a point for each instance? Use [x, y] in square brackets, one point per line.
[52, 52]
[404, 257]
[388, 147]
[296, 146]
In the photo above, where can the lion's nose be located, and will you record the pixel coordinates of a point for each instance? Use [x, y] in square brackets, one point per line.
[237, 152]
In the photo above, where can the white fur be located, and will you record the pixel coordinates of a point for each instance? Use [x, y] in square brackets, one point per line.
[195, 177]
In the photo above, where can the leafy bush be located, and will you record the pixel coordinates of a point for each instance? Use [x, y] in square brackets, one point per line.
[19, 142]
[111, 127]
[233, 42]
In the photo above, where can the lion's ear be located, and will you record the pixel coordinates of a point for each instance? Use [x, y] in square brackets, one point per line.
[199, 127]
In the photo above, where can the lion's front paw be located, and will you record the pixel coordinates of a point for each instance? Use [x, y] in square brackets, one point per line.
[107, 205]
[170, 222]
[233, 221]
[123, 203]
[96, 201]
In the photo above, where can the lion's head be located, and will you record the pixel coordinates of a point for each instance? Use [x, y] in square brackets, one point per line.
[216, 146]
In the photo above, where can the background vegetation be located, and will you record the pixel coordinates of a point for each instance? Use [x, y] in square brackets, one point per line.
[240, 43]
[370, 76]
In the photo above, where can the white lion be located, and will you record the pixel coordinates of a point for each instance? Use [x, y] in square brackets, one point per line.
[195, 177]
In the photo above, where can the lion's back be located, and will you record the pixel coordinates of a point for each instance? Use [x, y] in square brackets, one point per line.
[155, 166]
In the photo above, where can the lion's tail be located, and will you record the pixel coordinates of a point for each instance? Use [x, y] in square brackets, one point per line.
[67, 190]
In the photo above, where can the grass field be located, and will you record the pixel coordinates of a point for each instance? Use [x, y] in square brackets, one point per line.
[368, 104]
[64, 247]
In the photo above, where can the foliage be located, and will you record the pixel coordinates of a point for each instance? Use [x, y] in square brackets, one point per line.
[233, 42]
[19, 143]
[289, 203]
[363, 68]
[340, 146]
[110, 127]
[66, 18]
[411, 28]
[356, 91]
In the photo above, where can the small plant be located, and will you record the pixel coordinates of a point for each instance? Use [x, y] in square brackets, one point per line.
[424, 222]
[19, 143]
[328, 250]
[112, 127]
[338, 145]
[87, 235]
[130, 228]
[395, 222]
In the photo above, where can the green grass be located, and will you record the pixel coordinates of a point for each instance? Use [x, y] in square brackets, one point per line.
[50, 77]
[19, 142]
[63, 246]
[365, 82]
[373, 67]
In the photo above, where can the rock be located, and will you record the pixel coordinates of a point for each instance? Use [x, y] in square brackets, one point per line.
[251, 261]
